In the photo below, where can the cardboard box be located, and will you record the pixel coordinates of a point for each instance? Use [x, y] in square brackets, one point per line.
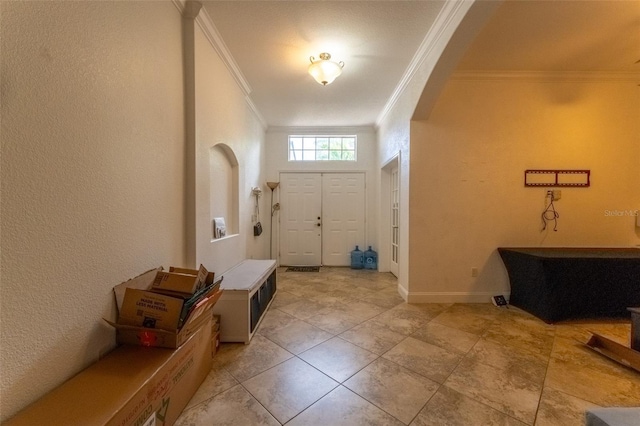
[142, 308]
[130, 386]
[215, 343]
[209, 279]
[131, 332]
[215, 335]
[186, 283]
[216, 323]
[615, 351]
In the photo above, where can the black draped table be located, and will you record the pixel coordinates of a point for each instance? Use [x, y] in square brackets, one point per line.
[560, 283]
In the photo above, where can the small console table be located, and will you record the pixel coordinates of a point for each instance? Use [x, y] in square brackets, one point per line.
[560, 283]
[248, 289]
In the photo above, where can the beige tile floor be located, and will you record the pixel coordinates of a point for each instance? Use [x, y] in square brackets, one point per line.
[340, 347]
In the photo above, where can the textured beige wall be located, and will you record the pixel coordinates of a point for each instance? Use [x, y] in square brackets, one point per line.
[467, 167]
[394, 141]
[93, 174]
[452, 32]
[224, 117]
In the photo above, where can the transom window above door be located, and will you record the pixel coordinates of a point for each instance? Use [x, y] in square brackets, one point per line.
[322, 148]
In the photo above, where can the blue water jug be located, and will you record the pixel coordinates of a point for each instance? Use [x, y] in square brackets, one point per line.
[357, 259]
[370, 259]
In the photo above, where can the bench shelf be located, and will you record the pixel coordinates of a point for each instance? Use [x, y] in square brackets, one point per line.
[248, 289]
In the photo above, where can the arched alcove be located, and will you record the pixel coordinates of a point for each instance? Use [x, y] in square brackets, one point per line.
[223, 189]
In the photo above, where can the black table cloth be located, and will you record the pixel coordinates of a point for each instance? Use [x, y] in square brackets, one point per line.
[560, 283]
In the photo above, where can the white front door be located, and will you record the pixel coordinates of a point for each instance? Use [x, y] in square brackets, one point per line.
[322, 218]
[300, 219]
[343, 218]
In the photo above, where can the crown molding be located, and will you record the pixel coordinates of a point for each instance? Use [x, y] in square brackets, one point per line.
[445, 17]
[324, 130]
[593, 76]
[215, 39]
[256, 112]
[179, 4]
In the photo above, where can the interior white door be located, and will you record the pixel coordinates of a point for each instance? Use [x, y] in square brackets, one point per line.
[395, 220]
[300, 219]
[343, 216]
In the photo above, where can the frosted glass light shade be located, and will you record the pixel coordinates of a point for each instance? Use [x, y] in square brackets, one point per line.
[323, 70]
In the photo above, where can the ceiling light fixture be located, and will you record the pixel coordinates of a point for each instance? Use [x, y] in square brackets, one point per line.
[323, 70]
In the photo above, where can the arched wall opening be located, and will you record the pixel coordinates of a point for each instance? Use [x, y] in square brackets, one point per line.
[474, 20]
[223, 191]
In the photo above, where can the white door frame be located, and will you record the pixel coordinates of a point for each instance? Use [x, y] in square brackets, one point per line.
[384, 225]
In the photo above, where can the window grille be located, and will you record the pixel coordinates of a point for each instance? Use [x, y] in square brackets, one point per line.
[322, 148]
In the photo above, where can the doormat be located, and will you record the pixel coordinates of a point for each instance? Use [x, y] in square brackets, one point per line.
[303, 269]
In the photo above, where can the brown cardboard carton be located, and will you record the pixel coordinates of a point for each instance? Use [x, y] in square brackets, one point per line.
[128, 332]
[180, 283]
[151, 310]
[613, 350]
[128, 387]
[216, 322]
[215, 335]
[133, 335]
[215, 343]
[209, 279]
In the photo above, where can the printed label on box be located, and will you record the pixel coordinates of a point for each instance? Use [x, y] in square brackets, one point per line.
[150, 310]
[151, 421]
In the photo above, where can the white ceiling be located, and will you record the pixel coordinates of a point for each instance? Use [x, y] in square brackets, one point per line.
[271, 42]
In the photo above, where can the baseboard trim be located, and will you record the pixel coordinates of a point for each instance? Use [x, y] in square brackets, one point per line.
[450, 297]
[403, 293]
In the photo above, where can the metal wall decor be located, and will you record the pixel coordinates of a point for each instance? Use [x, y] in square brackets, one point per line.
[566, 178]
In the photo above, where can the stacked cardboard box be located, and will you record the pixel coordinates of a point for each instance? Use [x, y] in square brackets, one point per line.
[136, 385]
[163, 309]
[130, 386]
[215, 335]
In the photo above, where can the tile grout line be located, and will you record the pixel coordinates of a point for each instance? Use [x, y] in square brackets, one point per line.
[342, 383]
[261, 404]
[481, 336]
[546, 372]
[496, 338]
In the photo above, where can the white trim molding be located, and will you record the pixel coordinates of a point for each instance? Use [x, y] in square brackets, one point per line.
[328, 130]
[256, 112]
[451, 297]
[404, 293]
[218, 44]
[450, 14]
[587, 76]
[215, 39]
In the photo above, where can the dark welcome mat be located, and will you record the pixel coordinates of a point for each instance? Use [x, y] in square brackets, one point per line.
[303, 269]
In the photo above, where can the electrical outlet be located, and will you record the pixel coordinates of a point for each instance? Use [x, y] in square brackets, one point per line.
[474, 272]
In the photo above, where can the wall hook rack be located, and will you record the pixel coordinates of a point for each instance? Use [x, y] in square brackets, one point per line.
[566, 178]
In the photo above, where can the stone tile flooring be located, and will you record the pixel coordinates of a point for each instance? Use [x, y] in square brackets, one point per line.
[340, 347]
